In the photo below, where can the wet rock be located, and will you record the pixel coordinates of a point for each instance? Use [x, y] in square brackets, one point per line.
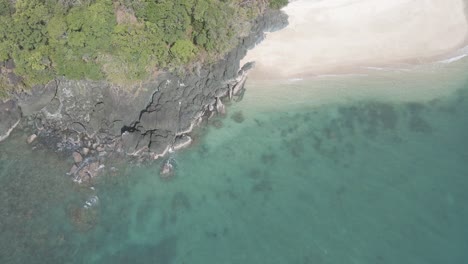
[77, 158]
[91, 202]
[100, 148]
[220, 108]
[182, 142]
[83, 176]
[73, 170]
[85, 151]
[161, 142]
[239, 86]
[86, 173]
[92, 169]
[38, 124]
[247, 67]
[167, 170]
[31, 138]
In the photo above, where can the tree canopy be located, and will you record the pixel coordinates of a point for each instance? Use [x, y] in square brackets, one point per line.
[118, 40]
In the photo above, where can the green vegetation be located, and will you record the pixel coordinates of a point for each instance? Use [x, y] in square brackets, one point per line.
[119, 40]
[277, 4]
[7, 88]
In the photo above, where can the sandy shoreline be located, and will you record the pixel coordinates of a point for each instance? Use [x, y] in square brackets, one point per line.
[423, 83]
[344, 36]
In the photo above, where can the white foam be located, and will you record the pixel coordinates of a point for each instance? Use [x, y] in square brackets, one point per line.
[295, 79]
[340, 75]
[387, 69]
[454, 59]
[92, 201]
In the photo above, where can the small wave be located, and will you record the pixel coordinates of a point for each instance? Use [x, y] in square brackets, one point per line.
[341, 75]
[92, 201]
[373, 68]
[295, 79]
[456, 58]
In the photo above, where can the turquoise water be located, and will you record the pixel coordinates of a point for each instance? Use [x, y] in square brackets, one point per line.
[361, 181]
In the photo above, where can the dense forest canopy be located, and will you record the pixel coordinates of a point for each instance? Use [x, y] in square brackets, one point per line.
[119, 40]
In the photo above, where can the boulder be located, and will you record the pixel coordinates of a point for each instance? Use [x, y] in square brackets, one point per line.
[167, 170]
[220, 108]
[77, 158]
[73, 170]
[129, 142]
[31, 138]
[85, 151]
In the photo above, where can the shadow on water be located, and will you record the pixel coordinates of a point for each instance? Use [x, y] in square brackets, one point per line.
[180, 203]
[164, 252]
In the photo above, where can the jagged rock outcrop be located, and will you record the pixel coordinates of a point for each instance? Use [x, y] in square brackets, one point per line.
[150, 118]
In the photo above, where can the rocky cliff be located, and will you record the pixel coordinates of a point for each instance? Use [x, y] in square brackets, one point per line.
[149, 119]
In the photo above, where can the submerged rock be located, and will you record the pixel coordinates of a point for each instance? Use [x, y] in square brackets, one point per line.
[87, 171]
[84, 219]
[91, 202]
[167, 170]
[31, 138]
[238, 117]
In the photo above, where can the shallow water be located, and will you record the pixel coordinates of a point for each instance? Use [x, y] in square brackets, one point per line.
[362, 180]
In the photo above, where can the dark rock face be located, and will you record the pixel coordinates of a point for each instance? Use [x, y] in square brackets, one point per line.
[93, 108]
[148, 119]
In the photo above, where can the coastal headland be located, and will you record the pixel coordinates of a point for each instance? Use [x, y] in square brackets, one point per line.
[91, 120]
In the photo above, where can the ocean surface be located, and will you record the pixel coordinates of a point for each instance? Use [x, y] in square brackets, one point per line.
[366, 169]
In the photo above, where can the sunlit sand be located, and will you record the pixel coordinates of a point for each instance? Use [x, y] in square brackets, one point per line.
[349, 36]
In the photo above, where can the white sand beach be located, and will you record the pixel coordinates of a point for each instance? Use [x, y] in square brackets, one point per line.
[349, 36]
